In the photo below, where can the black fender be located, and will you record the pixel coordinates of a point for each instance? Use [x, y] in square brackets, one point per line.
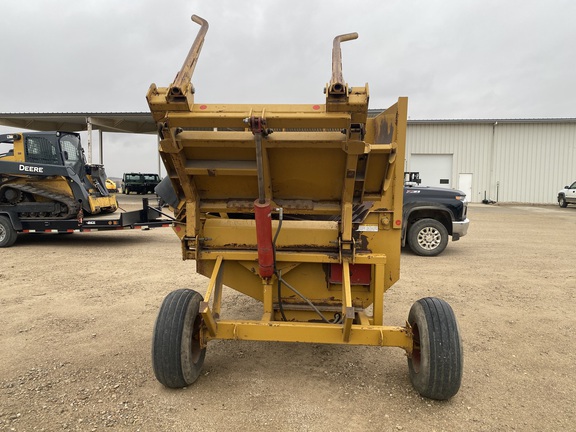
[13, 217]
[423, 211]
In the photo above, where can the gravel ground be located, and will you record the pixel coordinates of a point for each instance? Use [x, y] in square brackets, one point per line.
[78, 312]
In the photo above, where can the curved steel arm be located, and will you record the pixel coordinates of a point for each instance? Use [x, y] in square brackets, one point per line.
[179, 87]
[337, 84]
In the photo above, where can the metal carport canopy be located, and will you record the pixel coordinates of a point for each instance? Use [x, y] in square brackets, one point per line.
[128, 122]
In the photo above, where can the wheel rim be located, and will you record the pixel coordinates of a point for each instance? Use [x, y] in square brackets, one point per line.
[3, 233]
[429, 238]
[195, 345]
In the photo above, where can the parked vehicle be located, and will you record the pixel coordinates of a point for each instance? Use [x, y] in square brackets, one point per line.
[45, 175]
[431, 215]
[567, 195]
[46, 186]
[111, 186]
[141, 183]
[13, 224]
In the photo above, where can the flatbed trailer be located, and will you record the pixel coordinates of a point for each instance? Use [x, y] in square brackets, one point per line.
[145, 218]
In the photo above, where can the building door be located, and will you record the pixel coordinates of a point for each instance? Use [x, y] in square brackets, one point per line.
[465, 185]
[435, 169]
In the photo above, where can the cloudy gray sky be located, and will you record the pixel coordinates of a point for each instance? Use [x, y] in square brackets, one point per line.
[452, 58]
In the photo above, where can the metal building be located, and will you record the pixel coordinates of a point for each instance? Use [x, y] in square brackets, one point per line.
[523, 161]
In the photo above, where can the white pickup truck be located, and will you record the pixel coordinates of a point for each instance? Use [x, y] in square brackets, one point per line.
[567, 195]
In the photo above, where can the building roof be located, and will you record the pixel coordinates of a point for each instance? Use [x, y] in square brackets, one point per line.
[493, 121]
[374, 112]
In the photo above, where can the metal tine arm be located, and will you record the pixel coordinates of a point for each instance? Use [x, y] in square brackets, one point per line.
[181, 83]
[337, 84]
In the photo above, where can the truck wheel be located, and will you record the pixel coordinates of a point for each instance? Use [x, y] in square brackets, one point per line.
[8, 234]
[427, 237]
[127, 191]
[177, 353]
[562, 201]
[436, 362]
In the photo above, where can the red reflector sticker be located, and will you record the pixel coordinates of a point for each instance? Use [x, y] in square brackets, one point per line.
[203, 107]
[316, 107]
[360, 274]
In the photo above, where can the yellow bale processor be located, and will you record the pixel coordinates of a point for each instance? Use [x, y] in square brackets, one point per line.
[299, 207]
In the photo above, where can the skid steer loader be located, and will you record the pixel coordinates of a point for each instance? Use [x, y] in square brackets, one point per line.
[44, 175]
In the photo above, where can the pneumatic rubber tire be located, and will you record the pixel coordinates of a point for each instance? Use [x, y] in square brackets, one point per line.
[427, 237]
[562, 201]
[8, 234]
[177, 354]
[436, 362]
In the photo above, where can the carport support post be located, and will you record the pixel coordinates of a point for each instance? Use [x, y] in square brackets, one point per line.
[101, 146]
[89, 129]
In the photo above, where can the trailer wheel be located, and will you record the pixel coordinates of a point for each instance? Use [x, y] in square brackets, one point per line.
[562, 201]
[8, 234]
[427, 237]
[436, 362]
[177, 354]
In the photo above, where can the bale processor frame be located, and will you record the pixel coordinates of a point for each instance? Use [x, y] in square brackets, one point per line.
[299, 207]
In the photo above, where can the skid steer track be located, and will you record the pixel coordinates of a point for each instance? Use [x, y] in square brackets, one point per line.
[66, 209]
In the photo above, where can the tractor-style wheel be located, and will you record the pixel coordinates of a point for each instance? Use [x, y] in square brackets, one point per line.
[436, 362]
[177, 354]
[8, 234]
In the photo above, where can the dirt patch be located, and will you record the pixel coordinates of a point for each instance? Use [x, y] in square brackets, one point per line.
[78, 311]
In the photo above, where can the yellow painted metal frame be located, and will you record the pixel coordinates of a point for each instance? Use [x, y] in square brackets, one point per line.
[368, 331]
[322, 164]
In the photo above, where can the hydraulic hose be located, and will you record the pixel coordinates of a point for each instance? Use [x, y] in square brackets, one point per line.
[282, 281]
